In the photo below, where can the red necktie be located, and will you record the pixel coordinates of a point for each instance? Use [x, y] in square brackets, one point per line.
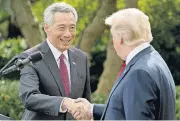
[122, 68]
[64, 74]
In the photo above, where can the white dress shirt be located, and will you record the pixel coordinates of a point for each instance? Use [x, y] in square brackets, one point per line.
[56, 53]
[136, 50]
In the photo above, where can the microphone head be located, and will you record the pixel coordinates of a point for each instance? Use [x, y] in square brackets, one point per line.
[37, 56]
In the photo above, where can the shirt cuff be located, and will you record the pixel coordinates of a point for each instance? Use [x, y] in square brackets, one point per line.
[60, 108]
[92, 107]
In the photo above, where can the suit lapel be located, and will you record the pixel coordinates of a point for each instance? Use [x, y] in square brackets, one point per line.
[124, 72]
[73, 71]
[120, 78]
[52, 65]
[131, 63]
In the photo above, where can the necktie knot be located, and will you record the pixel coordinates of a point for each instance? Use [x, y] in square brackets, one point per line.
[122, 68]
[124, 65]
[62, 57]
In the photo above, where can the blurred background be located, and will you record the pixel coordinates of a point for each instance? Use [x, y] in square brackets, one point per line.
[21, 27]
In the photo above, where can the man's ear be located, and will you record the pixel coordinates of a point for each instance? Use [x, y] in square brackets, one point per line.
[46, 27]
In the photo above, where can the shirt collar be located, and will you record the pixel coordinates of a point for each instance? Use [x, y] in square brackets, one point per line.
[56, 52]
[136, 50]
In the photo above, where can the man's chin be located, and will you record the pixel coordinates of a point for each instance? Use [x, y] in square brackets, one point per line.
[64, 48]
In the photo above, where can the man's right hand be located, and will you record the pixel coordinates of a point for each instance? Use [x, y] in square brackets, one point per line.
[79, 108]
[84, 112]
[68, 103]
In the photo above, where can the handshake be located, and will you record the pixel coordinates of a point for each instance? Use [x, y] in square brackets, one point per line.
[79, 108]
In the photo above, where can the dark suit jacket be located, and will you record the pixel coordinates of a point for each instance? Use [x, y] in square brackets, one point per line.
[41, 90]
[145, 90]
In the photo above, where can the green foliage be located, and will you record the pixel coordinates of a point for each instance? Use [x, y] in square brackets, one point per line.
[12, 47]
[10, 104]
[177, 109]
[99, 99]
[178, 92]
[38, 8]
[177, 102]
[120, 4]
[161, 13]
[102, 43]
[3, 29]
[3, 23]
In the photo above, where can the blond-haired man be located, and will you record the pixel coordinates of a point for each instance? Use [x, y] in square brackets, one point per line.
[145, 89]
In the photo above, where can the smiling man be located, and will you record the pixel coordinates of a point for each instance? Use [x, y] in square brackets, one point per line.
[48, 87]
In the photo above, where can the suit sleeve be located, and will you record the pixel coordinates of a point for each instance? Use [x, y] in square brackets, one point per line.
[87, 88]
[98, 111]
[31, 96]
[140, 96]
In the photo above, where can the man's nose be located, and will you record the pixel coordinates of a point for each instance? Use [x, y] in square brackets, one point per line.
[67, 33]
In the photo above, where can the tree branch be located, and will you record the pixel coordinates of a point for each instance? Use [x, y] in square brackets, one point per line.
[97, 26]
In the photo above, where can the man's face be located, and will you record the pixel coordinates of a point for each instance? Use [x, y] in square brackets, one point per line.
[62, 32]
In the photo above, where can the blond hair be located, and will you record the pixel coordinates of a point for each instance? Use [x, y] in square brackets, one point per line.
[133, 20]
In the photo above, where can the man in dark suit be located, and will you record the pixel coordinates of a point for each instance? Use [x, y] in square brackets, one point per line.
[48, 87]
[145, 89]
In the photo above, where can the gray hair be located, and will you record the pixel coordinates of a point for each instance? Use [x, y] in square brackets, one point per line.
[136, 21]
[58, 7]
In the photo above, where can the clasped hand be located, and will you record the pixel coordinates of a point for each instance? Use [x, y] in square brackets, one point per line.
[80, 109]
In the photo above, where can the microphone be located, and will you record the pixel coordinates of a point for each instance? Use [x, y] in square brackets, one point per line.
[37, 56]
[3, 117]
[14, 59]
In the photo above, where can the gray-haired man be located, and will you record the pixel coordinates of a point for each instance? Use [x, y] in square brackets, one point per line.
[48, 87]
